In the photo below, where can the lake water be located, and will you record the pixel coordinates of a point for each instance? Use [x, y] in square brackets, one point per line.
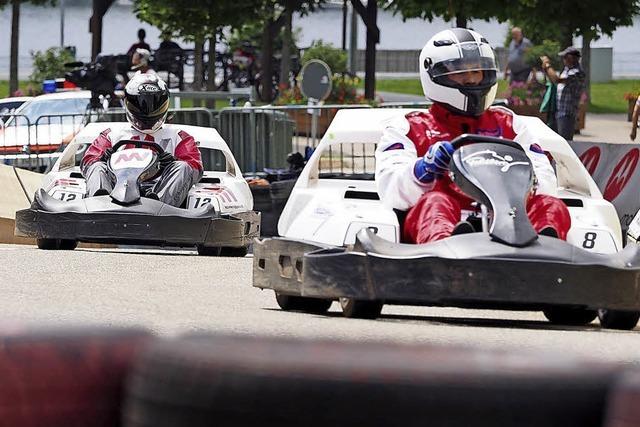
[40, 29]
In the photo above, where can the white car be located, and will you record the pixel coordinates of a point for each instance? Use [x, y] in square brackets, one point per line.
[339, 242]
[31, 136]
[8, 106]
[217, 216]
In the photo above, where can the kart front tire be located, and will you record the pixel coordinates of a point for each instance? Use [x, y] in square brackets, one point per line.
[48, 244]
[570, 316]
[67, 245]
[616, 319]
[235, 252]
[209, 250]
[304, 304]
[359, 309]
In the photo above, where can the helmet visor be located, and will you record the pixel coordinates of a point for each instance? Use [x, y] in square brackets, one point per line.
[463, 65]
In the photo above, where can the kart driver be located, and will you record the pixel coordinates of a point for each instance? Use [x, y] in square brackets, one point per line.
[458, 73]
[146, 106]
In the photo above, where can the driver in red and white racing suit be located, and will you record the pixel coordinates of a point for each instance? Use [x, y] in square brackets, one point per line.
[458, 73]
[146, 106]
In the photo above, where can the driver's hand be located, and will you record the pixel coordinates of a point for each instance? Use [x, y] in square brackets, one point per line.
[165, 159]
[435, 163]
[106, 155]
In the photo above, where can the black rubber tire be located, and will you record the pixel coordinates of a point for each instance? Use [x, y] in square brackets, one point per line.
[359, 309]
[304, 304]
[570, 316]
[209, 250]
[235, 252]
[48, 244]
[66, 377]
[258, 381]
[615, 319]
[67, 245]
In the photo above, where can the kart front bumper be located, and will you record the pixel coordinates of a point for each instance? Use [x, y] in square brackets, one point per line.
[464, 271]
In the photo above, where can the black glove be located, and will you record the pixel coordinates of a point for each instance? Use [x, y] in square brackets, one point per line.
[165, 159]
[106, 155]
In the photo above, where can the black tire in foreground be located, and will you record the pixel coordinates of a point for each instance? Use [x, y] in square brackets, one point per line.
[570, 316]
[615, 319]
[249, 381]
[359, 309]
[307, 305]
[66, 377]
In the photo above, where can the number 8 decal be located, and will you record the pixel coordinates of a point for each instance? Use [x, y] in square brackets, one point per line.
[589, 240]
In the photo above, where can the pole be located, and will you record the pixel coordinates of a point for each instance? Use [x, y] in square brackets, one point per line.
[62, 23]
[353, 41]
[344, 25]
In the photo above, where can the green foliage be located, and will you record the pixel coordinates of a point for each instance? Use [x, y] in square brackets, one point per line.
[49, 64]
[547, 48]
[252, 33]
[450, 9]
[334, 57]
[344, 90]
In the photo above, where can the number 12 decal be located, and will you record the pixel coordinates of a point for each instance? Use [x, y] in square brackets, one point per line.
[67, 197]
[201, 202]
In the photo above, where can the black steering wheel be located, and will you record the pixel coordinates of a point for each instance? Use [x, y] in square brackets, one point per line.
[469, 138]
[137, 144]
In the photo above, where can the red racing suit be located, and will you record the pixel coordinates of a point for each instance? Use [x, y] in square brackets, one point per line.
[434, 208]
[180, 144]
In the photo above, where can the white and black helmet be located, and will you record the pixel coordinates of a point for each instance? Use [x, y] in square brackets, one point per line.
[453, 51]
[146, 102]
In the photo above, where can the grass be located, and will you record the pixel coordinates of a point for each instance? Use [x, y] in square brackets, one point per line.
[4, 87]
[605, 97]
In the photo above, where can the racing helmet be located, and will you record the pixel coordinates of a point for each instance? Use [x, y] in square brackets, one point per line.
[146, 102]
[142, 57]
[453, 51]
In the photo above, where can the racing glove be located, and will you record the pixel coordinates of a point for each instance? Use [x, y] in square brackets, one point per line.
[435, 163]
[165, 159]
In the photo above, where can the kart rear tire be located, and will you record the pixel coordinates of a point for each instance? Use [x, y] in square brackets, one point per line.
[570, 316]
[359, 309]
[68, 245]
[48, 244]
[304, 304]
[235, 252]
[616, 319]
[209, 250]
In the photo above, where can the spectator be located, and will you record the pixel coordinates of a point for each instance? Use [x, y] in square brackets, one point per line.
[517, 69]
[140, 61]
[634, 120]
[141, 43]
[570, 86]
[167, 43]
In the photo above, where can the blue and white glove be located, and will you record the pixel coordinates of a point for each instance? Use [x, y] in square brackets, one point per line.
[435, 163]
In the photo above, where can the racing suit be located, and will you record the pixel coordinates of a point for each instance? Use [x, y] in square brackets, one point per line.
[172, 187]
[434, 208]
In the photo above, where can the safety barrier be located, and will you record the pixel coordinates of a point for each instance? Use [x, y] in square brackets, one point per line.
[184, 116]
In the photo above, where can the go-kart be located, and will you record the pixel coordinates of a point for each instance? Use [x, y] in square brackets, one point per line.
[339, 242]
[216, 217]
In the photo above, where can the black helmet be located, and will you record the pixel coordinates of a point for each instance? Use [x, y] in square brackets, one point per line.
[146, 102]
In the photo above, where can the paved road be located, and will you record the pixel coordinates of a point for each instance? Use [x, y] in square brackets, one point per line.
[174, 292]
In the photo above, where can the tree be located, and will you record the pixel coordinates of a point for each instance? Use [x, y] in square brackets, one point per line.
[15, 35]
[460, 10]
[586, 18]
[369, 15]
[196, 22]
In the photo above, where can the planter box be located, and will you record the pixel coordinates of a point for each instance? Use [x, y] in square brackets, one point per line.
[303, 121]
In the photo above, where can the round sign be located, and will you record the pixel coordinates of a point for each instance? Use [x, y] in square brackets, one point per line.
[316, 80]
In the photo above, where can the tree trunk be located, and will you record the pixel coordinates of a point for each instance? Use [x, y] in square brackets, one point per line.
[586, 63]
[266, 63]
[461, 20]
[211, 71]
[285, 62]
[369, 15]
[198, 69]
[15, 32]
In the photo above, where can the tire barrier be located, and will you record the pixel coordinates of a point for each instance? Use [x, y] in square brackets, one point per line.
[65, 377]
[624, 405]
[222, 380]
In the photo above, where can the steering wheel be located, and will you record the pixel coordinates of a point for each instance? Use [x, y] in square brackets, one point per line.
[469, 138]
[137, 144]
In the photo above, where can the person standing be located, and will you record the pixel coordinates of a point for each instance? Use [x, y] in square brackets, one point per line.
[634, 120]
[517, 69]
[141, 44]
[570, 83]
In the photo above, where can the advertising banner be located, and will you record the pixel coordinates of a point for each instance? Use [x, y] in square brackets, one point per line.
[614, 168]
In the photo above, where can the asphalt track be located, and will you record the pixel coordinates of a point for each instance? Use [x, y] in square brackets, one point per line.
[172, 292]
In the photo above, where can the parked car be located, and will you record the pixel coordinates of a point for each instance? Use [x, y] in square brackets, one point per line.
[10, 105]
